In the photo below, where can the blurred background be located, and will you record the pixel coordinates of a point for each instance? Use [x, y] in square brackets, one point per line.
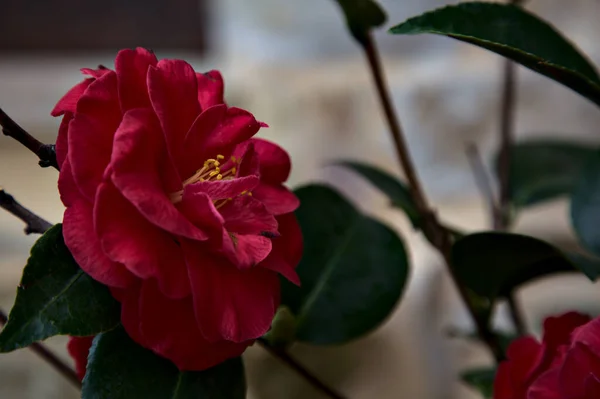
[292, 64]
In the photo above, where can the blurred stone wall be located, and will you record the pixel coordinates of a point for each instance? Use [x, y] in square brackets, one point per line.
[291, 63]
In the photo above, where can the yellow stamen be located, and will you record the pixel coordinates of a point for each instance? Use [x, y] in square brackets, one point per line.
[211, 170]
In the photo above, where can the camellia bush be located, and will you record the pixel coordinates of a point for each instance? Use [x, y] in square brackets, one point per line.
[181, 245]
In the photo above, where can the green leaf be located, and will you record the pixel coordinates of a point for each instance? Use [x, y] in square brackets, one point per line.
[544, 170]
[513, 33]
[118, 368]
[362, 16]
[56, 297]
[283, 329]
[482, 379]
[396, 190]
[353, 270]
[585, 205]
[492, 264]
[589, 265]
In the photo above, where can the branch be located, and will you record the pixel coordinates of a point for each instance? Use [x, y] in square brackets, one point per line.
[35, 224]
[482, 179]
[45, 152]
[516, 315]
[287, 359]
[433, 230]
[51, 358]
[501, 214]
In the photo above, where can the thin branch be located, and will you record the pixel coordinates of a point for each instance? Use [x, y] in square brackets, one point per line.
[482, 179]
[507, 117]
[501, 214]
[34, 223]
[49, 357]
[45, 152]
[312, 379]
[433, 230]
[516, 314]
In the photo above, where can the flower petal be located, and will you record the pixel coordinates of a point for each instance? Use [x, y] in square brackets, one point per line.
[132, 71]
[287, 249]
[246, 215]
[278, 199]
[222, 189]
[230, 304]
[78, 231]
[249, 250]
[210, 89]
[217, 130]
[69, 192]
[592, 386]
[249, 165]
[558, 329]
[95, 73]
[91, 133]
[130, 310]
[589, 335]
[143, 248]
[143, 173]
[275, 164]
[174, 95]
[545, 386]
[169, 329]
[62, 141]
[68, 102]
[581, 361]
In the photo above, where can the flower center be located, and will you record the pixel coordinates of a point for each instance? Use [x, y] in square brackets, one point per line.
[211, 170]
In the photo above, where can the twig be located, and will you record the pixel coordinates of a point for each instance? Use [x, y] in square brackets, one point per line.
[516, 314]
[35, 224]
[507, 112]
[287, 359]
[49, 357]
[45, 152]
[501, 214]
[435, 233]
[482, 179]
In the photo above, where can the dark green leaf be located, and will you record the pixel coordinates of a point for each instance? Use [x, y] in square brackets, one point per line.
[118, 368]
[589, 265]
[482, 379]
[353, 270]
[543, 170]
[513, 33]
[391, 186]
[362, 16]
[585, 205]
[492, 264]
[56, 297]
[283, 329]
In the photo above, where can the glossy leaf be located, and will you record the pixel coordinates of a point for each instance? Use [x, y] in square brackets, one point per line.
[513, 33]
[481, 379]
[118, 368]
[55, 297]
[585, 205]
[492, 264]
[353, 271]
[544, 170]
[391, 186]
[362, 16]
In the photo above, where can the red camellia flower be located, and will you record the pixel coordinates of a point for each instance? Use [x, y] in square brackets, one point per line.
[79, 349]
[173, 205]
[566, 365]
